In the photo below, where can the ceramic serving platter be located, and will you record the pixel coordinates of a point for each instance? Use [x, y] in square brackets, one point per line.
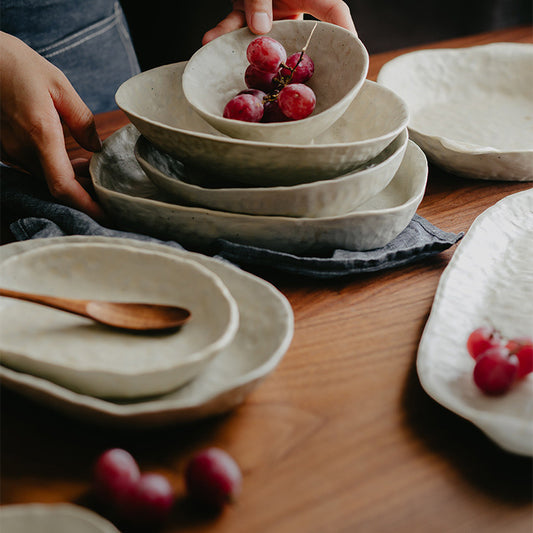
[471, 109]
[489, 281]
[264, 335]
[315, 199]
[52, 518]
[132, 200]
[98, 360]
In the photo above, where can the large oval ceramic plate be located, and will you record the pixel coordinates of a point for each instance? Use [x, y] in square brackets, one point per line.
[471, 109]
[136, 204]
[102, 361]
[52, 518]
[489, 281]
[264, 335]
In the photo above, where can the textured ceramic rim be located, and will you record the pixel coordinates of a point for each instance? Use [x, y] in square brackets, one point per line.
[128, 413]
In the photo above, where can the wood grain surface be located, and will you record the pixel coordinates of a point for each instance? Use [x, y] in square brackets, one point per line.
[340, 437]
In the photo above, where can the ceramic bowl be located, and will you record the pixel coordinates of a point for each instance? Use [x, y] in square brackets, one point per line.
[154, 102]
[471, 108]
[215, 74]
[136, 204]
[101, 361]
[316, 199]
[52, 518]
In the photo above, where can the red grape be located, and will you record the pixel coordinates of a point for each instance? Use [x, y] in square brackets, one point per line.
[495, 370]
[522, 347]
[303, 71]
[297, 101]
[266, 54]
[259, 79]
[115, 474]
[244, 107]
[273, 113]
[212, 477]
[260, 95]
[480, 340]
[150, 501]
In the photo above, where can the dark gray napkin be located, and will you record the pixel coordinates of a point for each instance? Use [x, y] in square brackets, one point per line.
[32, 213]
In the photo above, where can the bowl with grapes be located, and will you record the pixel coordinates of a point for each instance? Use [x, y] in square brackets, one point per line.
[220, 70]
[155, 104]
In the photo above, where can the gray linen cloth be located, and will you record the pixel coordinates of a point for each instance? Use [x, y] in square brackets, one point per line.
[32, 213]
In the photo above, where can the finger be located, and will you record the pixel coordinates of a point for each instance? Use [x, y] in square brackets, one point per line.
[81, 167]
[233, 21]
[333, 11]
[258, 15]
[76, 115]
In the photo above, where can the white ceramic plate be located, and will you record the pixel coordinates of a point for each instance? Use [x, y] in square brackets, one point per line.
[332, 197]
[129, 196]
[154, 102]
[264, 335]
[102, 361]
[471, 109]
[215, 74]
[489, 281]
[52, 518]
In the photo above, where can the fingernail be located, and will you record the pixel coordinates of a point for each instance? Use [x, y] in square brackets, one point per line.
[96, 143]
[261, 22]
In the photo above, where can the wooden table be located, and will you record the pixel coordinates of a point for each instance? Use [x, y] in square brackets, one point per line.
[340, 437]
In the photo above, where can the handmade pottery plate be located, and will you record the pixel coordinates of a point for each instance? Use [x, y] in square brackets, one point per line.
[471, 108]
[489, 281]
[332, 197]
[52, 518]
[129, 196]
[98, 360]
[154, 102]
[215, 74]
[264, 335]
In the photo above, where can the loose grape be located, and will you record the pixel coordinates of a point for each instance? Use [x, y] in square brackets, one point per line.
[213, 478]
[297, 101]
[244, 107]
[480, 340]
[303, 71]
[259, 79]
[522, 347]
[266, 54]
[115, 474]
[150, 501]
[495, 370]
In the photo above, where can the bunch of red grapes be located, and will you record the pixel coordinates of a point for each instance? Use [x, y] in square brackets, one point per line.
[276, 85]
[499, 362]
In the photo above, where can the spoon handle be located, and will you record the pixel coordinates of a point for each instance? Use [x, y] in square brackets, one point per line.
[79, 307]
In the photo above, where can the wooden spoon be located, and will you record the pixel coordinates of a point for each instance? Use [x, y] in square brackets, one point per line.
[125, 315]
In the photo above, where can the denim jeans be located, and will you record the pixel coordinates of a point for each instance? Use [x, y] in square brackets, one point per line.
[88, 40]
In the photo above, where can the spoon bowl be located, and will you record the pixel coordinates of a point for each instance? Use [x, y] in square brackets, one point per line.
[123, 315]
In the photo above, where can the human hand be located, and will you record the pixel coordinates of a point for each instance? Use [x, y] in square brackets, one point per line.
[258, 15]
[36, 98]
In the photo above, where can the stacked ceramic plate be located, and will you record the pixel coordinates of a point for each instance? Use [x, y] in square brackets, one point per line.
[345, 177]
[206, 366]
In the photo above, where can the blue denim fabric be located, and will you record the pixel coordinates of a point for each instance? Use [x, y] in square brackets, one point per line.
[88, 41]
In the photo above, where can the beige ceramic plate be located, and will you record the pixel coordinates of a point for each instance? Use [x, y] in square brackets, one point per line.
[52, 518]
[331, 197]
[154, 102]
[264, 335]
[101, 361]
[215, 74]
[129, 196]
[471, 108]
[489, 281]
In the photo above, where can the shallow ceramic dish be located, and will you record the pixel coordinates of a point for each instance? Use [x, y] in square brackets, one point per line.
[264, 335]
[52, 518]
[489, 281]
[315, 199]
[215, 74]
[94, 359]
[471, 108]
[129, 196]
[154, 102]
